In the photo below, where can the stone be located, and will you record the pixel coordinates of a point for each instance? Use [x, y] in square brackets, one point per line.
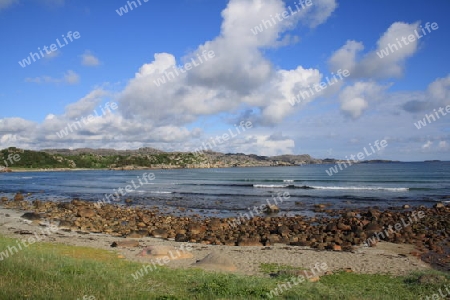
[126, 244]
[160, 233]
[216, 261]
[31, 216]
[271, 208]
[250, 242]
[159, 251]
[337, 248]
[86, 213]
[18, 197]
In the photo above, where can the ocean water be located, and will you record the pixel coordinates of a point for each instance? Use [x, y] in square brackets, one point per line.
[231, 191]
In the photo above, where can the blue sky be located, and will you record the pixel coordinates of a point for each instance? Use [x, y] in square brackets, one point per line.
[251, 77]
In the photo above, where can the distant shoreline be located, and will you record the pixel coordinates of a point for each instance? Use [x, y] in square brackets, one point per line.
[140, 168]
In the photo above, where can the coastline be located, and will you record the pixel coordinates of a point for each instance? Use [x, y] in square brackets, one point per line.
[339, 237]
[247, 259]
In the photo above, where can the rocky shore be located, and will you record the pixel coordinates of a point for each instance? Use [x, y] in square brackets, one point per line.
[427, 229]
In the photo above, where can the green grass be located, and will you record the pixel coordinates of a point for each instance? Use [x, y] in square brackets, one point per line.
[54, 271]
[269, 268]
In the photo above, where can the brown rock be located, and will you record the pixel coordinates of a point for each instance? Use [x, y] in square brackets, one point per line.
[216, 261]
[160, 233]
[439, 205]
[18, 197]
[126, 243]
[342, 226]
[134, 236]
[158, 251]
[337, 248]
[195, 228]
[86, 213]
[250, 242]
[269, 209]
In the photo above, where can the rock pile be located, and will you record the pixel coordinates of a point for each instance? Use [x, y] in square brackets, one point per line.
[339, 230]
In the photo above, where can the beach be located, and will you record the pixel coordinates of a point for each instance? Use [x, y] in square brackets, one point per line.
[246, 254]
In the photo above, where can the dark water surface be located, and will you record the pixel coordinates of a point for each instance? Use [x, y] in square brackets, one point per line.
[229, 191]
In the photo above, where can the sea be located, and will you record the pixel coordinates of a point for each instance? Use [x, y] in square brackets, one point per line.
[228, 192]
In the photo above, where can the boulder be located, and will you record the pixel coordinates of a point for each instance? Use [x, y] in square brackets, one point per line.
[126, 244]
[86, 213]
[31, 216]
[270, 209]
[18, 197]
[159, 251]
[216, 261]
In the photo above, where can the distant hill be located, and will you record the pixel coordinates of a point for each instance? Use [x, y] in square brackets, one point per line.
[145, 158]
[142, 158]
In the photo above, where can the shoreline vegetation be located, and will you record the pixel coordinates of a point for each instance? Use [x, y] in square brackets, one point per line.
[15, 159]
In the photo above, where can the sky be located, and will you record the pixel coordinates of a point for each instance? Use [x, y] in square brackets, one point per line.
[328, 78]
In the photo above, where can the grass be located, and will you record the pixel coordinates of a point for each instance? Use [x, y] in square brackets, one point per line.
[54, 271]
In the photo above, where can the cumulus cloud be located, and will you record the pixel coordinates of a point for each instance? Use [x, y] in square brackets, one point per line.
[239, 75]
[85, 105]
[355, 98]
[386, 61]
[436, 95]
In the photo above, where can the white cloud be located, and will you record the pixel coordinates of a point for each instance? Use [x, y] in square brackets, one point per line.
[371, 65]
[239, 75]
[69, 77]
[436, 95]
[427, 145]
[85, 105]
[355, 99]
[88, 59]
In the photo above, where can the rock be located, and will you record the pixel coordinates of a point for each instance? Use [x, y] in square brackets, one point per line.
[4, 199]
[337, 248]
[159, 251]
[406, 206]
[126, 244]
[160, 233]
[216, 261]
[439, 205]
[195, 228]
[181, 238]
[86, 213]
[250, 242]
[134, 236]
[373, 227]
[373, 213]
[18, 197]
[343, 227]
[31, 216]
[271, 208]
